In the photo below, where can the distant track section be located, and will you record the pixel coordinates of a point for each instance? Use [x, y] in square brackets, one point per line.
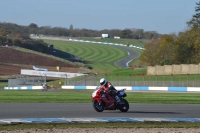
[122, 63]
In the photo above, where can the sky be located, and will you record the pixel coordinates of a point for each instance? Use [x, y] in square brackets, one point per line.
[162, 16]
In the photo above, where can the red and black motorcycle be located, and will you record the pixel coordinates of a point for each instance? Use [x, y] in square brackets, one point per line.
[104, 101]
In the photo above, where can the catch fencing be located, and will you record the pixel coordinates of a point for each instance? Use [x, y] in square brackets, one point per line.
[143, 80]
[117, 80]
[26, 81]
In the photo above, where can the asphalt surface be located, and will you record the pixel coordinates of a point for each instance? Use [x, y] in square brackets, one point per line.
[85, 110]
[123, 63]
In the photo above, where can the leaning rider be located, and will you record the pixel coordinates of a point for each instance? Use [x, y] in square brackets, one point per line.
[107, 86]
[44, 86]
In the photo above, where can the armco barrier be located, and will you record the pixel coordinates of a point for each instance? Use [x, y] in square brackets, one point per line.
[142, 88]
[129, 88]
[130, 45]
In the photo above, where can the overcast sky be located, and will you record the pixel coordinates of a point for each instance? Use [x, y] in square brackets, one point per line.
[163, 16]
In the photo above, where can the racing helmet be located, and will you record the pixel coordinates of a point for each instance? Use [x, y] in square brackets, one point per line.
[103, 81]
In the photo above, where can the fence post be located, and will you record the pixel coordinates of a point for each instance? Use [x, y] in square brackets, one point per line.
[195, 85]
[66, 79]
[187, 80]
[45, 78]
[85, 80]
[172, 79]
[156, 80]
[143, 80]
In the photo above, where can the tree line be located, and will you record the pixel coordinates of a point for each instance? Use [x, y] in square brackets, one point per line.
[25, 31]
[18, 35]
[18, 38]
[183, 48]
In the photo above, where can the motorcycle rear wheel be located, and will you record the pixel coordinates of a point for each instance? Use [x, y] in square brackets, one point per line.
[124, 107]
[99, 107]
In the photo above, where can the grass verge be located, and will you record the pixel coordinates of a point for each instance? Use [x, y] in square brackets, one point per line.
[101, 125]
[84, 96]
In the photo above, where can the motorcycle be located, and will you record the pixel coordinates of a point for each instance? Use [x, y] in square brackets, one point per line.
[104, 101]
[45, 88]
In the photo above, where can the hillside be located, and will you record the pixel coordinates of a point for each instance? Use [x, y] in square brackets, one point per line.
[12, 60]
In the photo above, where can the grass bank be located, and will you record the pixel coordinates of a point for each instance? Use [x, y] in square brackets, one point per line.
[98, 57]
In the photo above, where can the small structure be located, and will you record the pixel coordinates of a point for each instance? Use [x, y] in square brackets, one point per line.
[104, 35]
[116, 37]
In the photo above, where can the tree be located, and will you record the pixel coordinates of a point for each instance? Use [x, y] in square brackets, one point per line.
[188, 51]
[16, 42]
[195, 21]
[32, 25]
[126, 33]
[2, 32]
[71, 29]
[167, 49]
[159, 51]
[150, 55]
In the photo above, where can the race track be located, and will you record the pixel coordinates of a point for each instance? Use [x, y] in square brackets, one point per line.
[85, 110]
[132, 54]
[122, 63]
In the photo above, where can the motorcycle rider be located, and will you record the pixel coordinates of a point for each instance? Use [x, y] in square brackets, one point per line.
[44, 86]
[107, 86]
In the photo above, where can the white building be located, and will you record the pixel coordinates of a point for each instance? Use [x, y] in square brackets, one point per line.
[104, 35]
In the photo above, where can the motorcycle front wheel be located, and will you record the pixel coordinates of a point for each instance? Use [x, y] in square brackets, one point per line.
[99, 107]
[124, 107]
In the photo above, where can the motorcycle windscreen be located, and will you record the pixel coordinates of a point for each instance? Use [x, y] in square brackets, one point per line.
[121, 94]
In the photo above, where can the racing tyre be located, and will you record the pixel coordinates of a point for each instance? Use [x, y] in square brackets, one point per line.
[99, 107]
[124, 107]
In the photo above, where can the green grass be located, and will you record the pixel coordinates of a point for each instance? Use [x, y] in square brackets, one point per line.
[3, 83]
[127, 72]
[135, 62]
[109, 125]
[84, 96]
[140, 75]
[100, 57]
[118, 41]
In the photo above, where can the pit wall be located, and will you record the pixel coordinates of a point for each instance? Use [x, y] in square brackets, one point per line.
[128, 88]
